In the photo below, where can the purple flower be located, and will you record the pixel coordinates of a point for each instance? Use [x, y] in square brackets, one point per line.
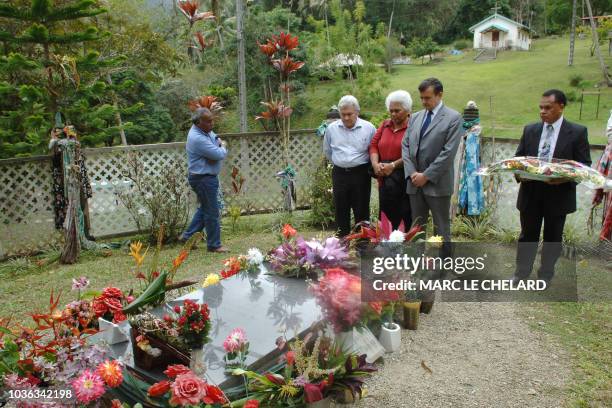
[80, 283]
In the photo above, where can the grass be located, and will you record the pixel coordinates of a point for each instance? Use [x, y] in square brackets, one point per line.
[26, 287]
[507, 90]
[584, 330]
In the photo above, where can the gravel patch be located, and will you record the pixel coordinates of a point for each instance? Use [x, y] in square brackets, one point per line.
[480, 355]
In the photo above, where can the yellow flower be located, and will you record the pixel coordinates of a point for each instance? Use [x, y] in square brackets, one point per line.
[211, 279]
[135, 249]
[435, 241]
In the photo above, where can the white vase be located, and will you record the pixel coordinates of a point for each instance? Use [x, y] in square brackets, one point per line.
[361, 341]
[390, 337]
[113, 333]
[196, 362]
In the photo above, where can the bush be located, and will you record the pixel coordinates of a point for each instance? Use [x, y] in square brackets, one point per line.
[322, 212]
[571, 95]
[575, 80]
[462, 44]
[153, 200]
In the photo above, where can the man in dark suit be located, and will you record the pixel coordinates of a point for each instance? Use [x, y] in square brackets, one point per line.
[547, 203]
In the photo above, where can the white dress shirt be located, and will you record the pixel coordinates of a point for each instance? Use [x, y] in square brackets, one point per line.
[553, 142]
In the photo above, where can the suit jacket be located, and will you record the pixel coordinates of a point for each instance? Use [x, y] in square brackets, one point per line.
[434, 154]
[572, 144]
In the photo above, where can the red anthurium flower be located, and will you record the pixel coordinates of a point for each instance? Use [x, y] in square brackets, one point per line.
[286, 66]
[412, 233]
[275, 378]
[201, 41]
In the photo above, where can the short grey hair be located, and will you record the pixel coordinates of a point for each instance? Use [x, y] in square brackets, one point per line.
[348, 100]
[198, 113]
[402, 97]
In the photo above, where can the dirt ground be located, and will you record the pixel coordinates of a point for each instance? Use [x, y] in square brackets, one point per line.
[479, 354]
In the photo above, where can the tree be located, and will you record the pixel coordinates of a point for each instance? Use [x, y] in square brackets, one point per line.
[43, 67]
[422, 47]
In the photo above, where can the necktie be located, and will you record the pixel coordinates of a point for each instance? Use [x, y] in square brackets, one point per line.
[426, 123]
[545, 152]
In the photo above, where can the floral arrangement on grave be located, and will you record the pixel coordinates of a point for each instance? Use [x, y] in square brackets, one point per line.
[53, 352]
[186, 329]
[185, 389]
[236, 349]
[155, 282]
[338, 293]
[382, 231]
[297, 257]
[247, 264]
[533, 168]
[312, 371]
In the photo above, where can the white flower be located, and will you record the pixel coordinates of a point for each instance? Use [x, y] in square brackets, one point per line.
[255, 257]
[396, 236]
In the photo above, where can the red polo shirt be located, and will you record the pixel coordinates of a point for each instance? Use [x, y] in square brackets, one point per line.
[388, 142]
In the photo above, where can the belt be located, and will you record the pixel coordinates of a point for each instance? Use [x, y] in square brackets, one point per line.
[201, 175]
[351, 169]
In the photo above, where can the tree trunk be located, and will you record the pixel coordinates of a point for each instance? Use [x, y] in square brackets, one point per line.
[570, 58]
[117, 113]
[241, 65]
[602, 63]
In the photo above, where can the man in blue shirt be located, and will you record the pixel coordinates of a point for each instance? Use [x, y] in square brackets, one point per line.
[205, 154]
[346, 144]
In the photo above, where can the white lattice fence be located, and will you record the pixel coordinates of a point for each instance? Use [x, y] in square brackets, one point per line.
[25, 184]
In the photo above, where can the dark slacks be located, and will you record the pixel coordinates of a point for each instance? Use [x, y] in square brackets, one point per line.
[351, 188]
[531, 225]
[422, 204]
[393, 199]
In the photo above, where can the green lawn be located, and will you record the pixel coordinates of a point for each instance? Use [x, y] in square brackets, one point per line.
[513, 83]
[25, 287]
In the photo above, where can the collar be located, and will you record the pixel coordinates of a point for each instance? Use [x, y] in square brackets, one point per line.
[209, 134]
[389, 123]
[358, 124]
[556, 125]
[437, 108]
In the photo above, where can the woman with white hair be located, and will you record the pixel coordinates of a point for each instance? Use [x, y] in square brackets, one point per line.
[387, 163]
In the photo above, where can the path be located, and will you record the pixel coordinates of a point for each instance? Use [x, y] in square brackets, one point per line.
[480, 354]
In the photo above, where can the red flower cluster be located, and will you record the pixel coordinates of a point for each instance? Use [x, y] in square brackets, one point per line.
[193, 322]
[187, 389]
[109, 303]
[232, 267]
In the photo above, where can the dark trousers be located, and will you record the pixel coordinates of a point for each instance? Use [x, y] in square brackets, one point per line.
[531, 225]
[207, 215]
[352, 188]
[393, 199]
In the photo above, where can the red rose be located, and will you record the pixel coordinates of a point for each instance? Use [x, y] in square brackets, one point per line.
[118, 317]
[112, 293]
[114, 305]
[214, 395]
[159, 389]
[175, 370]
[252, 404]
[187, 389]
[177, 309]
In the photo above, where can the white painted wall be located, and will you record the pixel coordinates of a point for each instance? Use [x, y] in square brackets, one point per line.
[516, 37]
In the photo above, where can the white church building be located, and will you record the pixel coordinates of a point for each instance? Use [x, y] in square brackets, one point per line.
[497, 31]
